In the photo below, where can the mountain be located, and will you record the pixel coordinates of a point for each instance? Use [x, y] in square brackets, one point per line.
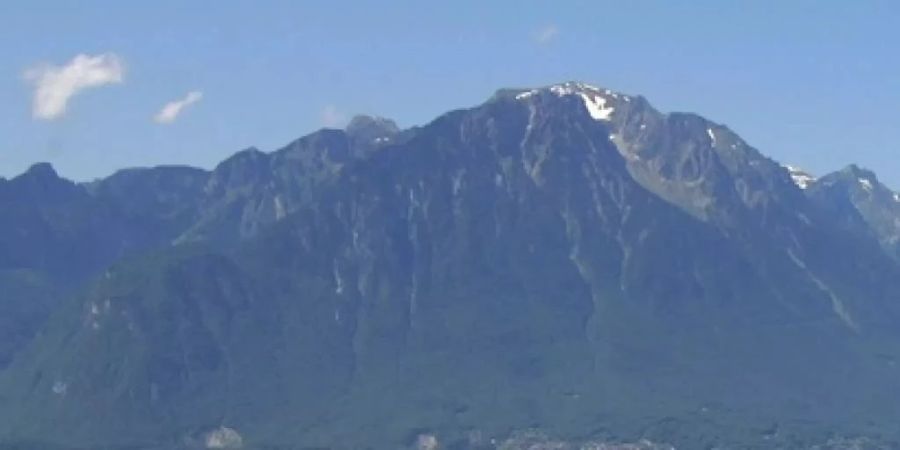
[802, 178]
[566, 259]
[55, 235]
[855, 195]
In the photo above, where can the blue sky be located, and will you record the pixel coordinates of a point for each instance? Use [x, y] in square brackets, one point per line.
[812, 83]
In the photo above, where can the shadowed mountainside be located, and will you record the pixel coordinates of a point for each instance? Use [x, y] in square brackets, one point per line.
[564, 258]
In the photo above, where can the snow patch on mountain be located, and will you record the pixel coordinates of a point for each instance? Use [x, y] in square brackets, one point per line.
[427, 442]
[60, 387]
[596, 106]
[224, 437]
[595, 100]
[525, 95]
[866, 184]
[800, 177]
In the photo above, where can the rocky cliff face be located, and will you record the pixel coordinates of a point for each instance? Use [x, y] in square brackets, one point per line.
[857, 200]
[565, 258]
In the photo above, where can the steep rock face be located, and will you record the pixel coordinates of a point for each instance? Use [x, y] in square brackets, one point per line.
[564, 258]
[711, 173]
[694, 163]
[856, 199]
[253, 189]
[55, 235]
[26, 301]
[58, 234]
[162, 200]
[49, 222]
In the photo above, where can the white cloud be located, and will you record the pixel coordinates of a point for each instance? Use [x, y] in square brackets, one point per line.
[171, 110]
[331, 117]
[546, 34]
[55, 85]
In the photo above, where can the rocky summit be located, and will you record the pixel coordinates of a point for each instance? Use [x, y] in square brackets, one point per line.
[558, 267]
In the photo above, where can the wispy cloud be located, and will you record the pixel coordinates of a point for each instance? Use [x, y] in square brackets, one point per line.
[331, 117]
[173, 109]
[54, 86]
[546, 34]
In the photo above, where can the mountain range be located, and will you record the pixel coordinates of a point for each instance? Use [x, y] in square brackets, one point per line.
[565, 259]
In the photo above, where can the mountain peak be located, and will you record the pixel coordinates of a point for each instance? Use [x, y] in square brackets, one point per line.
[564, 88]
[42, 181]
[363, 121]
[41, 170]
[599, 102]
[857, 170]
[41, 175]
[865, 178]
[371, 128]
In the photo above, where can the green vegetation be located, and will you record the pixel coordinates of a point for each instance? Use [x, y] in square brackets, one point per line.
[503, 268]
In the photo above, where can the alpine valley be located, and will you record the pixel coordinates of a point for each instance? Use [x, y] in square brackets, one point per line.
[562, 267]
